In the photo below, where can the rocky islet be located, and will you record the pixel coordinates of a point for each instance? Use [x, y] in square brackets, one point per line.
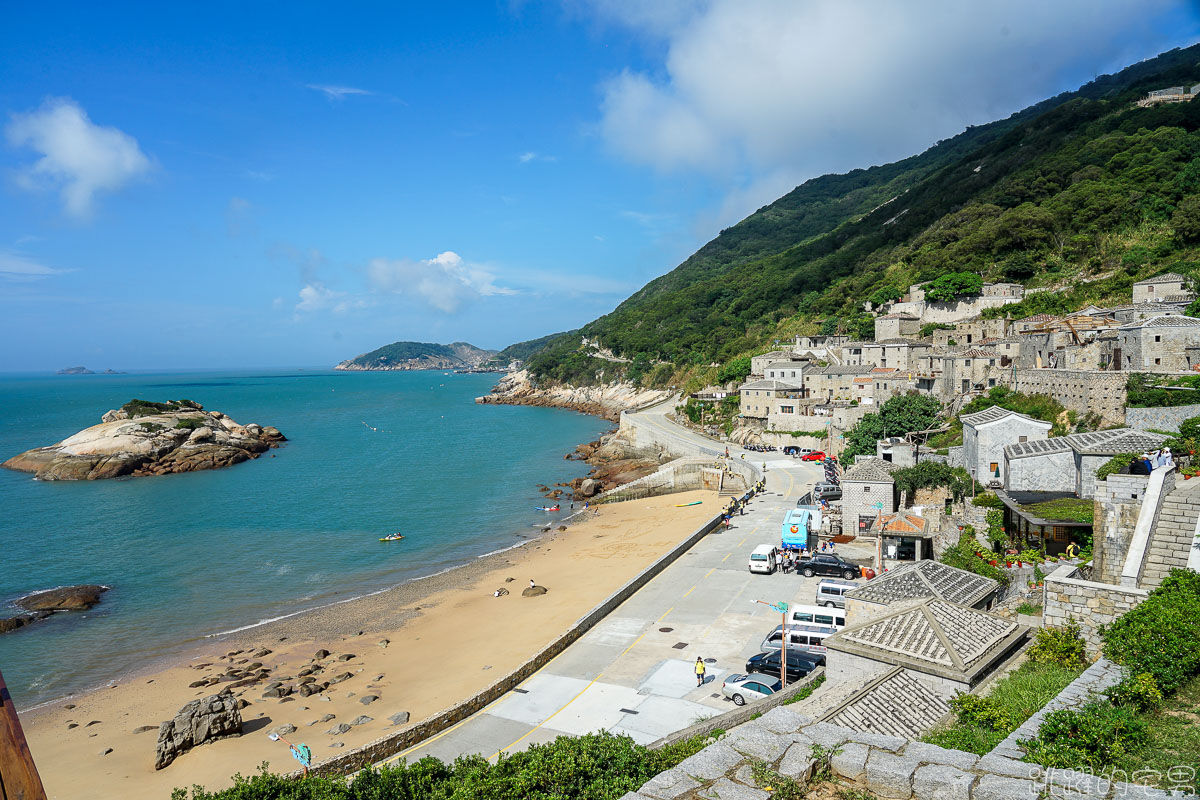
[146, 438]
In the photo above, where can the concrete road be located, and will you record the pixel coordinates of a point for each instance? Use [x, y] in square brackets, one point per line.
[633, 672]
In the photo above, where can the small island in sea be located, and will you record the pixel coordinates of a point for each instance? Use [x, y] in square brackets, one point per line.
[420, 355]
[86, 371]
[149, 438]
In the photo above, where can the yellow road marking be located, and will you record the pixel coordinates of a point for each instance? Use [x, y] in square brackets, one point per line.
[689, 591]
[743, 541]
[727, 555]
[710, 572]
[668, 611]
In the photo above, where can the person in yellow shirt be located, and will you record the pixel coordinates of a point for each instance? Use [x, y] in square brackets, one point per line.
[1072, 550]
[699, 671]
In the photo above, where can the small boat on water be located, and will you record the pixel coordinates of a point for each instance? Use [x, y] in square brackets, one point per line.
[395, 537]
[546, 508]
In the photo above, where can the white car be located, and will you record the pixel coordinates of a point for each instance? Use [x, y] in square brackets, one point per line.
[755, 686]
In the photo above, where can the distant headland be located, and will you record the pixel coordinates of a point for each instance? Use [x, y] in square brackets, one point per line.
[424, 355]
[148, 438]
[86, 371]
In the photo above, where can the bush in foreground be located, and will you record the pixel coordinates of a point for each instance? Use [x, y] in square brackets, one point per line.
[1096, 736]
[1161, 637]
[599, 766]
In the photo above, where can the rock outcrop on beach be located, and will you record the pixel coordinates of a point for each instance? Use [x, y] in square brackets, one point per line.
[613, 464]
[144, 438]
[41, 605]
[214, 717]
[606, 400]
[64, 598]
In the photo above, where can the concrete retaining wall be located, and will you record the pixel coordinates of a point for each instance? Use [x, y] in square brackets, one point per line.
[393, 743]
[1160, 419]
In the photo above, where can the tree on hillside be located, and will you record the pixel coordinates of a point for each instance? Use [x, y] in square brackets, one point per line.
[885, 294]
[736, 370]
[1038, 406]
[953, 285]
[901, 414]
[1186, 220]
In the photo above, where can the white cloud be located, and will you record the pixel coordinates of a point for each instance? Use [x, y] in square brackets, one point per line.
[445, 281]
[18, 267]
[337, 92]
[78, 157]
[531, 155]
[764, 93]
[317, 296]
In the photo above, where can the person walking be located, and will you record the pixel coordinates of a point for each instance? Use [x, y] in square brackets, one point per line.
[699, 671]
[1072, 550]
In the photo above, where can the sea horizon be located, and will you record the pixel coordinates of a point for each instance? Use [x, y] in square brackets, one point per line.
[205, 554]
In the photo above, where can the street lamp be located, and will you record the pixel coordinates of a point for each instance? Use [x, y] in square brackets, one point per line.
[782, 608]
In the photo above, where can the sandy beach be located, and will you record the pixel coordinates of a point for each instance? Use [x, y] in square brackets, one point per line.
[417, 648]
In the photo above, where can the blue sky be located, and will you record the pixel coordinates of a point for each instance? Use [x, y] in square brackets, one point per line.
[223, 186]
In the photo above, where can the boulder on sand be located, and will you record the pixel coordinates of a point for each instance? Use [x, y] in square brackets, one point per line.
[215, 717]
[533, 591]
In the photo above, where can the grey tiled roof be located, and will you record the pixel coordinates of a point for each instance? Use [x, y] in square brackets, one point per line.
[934, 634]
[1165, 321]
[894, 704]
[845, 369]
[926, 579]
[901, 340]
[871, 469]
[992, 415]
[975, 352]
[770, 383]
[901, 315]
[1111, 442]
[1166, 277]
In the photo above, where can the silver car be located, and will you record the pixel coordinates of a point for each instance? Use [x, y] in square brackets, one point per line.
[755, 686]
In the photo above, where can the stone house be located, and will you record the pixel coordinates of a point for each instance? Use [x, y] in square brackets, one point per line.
[906, 536]
[947, 647]
[868, 491]
[788, 371]
[970, 370]
[756, 396]
[1138, 312]
[896, 325]
[988, 432]
[758, 364]
[1170, 286]
[971, 331]
[1069, 463]
[834, 383]
[896, 451]
[909, 584]
[1159, 344]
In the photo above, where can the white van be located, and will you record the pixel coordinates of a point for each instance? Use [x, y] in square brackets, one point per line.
[804, 638]
[764, 559]
[831, 594]
[816, 615]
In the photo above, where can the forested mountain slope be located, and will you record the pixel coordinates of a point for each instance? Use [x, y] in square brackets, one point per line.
[1084, 190]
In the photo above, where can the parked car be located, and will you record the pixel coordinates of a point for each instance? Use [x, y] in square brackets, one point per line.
[827, 490]
[807, 639]
[829, 564]
[832, 594]
[815, 455]
[764, 559]
[754, 686]
[799, 663]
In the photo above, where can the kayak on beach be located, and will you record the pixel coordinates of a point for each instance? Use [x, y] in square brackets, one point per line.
[693, 503]
[395, 537]
[546, 508]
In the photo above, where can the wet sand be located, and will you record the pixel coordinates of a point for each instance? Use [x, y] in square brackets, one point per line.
[417, 648]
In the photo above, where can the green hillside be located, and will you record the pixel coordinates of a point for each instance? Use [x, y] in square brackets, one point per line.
[1084, 193]
[419, 355]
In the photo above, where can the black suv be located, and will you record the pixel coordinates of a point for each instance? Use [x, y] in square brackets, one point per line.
[800, 663]
[828, 564]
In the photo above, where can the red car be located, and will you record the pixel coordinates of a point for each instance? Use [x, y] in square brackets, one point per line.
[815, 455]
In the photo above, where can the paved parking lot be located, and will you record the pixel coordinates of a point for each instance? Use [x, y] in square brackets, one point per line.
[633, 672]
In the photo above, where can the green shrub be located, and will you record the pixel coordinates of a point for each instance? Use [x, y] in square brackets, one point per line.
[933, 475]
[1115, 465]
[805, 692]
[1140, 692]
[988, 500]
[986, 712]
[965, 555]
[150, 427]
[598, 766]
[1029, 609]
[1161, 637]
[190, 423]
[1092, 737]
[1059, 646]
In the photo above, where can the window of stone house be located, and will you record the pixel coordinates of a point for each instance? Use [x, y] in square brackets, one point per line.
[1158, 338]
[993, 467]
[866, 488]
[1158, 361]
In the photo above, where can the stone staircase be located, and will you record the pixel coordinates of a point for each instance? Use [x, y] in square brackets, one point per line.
[1174, 536]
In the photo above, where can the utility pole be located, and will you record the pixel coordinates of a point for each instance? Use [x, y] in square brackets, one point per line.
[782, 608]
[19, 779]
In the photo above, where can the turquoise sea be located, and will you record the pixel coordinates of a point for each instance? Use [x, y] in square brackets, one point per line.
[207, 552]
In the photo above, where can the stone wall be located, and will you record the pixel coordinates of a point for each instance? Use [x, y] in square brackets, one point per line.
[789, 744]
[1067, 596]
[1118, 502]
[858, 499]
[1160, 419]
[393, 743]
[1078, 390]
